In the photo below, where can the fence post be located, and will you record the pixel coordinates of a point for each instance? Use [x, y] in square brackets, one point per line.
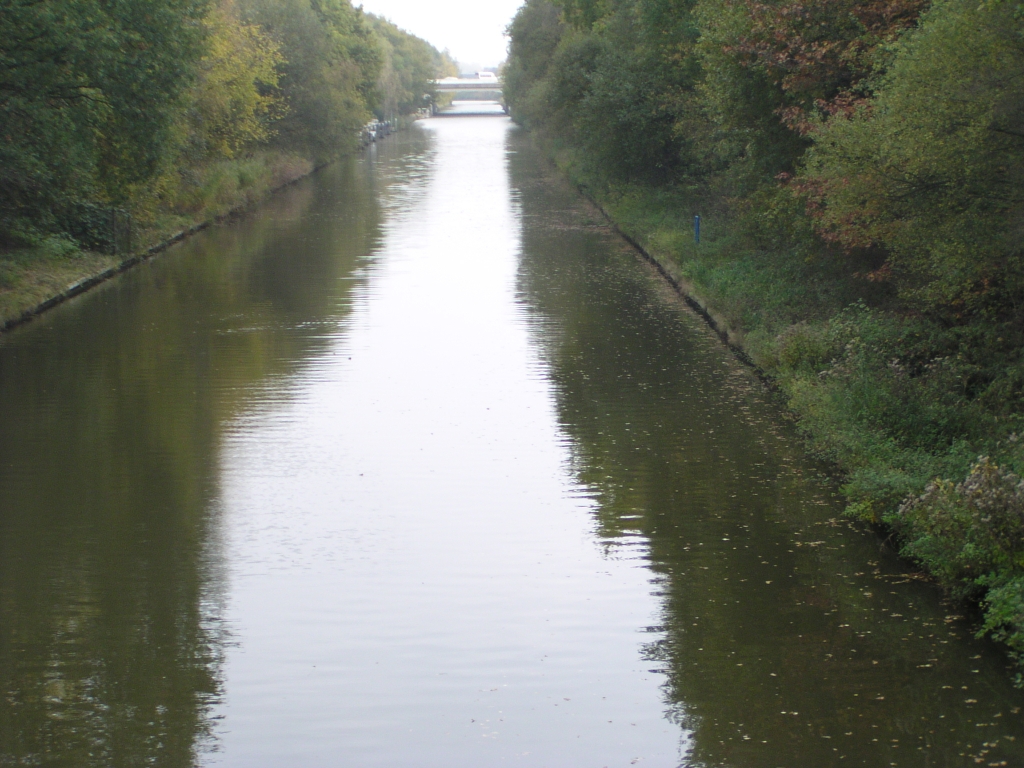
[696, 229]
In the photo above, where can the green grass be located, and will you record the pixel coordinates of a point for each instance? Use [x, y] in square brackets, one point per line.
[28, 277]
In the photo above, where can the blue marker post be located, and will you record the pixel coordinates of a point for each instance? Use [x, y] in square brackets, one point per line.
[696, 229]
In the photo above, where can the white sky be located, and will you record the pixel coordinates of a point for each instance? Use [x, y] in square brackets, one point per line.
[473, 30]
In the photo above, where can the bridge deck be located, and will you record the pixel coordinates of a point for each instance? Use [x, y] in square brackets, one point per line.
[453, 86]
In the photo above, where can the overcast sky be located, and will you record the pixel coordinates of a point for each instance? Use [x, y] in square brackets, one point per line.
[473, 30]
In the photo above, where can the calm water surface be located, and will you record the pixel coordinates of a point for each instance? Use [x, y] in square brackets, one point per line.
[419, 466]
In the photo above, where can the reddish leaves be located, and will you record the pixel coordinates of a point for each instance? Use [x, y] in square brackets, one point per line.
[819, 52]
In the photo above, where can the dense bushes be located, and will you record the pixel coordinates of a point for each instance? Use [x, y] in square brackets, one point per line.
[146, 106]
[860, 170]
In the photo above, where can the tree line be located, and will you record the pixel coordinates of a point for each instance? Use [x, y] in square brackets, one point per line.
[148, 105]
[859, 169]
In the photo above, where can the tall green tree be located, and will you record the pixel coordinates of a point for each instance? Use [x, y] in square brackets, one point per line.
[410, 67]
[614, 78]
[89, 95]
[329, 78]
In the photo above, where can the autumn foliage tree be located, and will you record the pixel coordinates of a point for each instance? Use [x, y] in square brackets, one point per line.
[821, 54]
[932, 168]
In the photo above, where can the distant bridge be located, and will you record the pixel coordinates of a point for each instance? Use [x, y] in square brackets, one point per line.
[470, 84]
[456, 84]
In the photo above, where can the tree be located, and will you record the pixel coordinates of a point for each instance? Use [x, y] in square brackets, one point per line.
[932, 168]
[236, 98]
[616, 79]
[411, 65]
[89, 96]
[821, 53]
[332, 62]
[535, 32]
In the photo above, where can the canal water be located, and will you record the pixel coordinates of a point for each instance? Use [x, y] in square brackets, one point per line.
[420, 466]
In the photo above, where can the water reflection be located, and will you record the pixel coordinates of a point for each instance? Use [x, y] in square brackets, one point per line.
[112, 411]
[787, 637]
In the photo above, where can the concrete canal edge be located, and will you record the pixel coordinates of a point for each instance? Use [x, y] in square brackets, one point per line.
[83, 285]
[671, 274]
[91, 281]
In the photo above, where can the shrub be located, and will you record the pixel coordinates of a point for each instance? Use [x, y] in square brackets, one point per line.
[1004, 617]
[970, 534]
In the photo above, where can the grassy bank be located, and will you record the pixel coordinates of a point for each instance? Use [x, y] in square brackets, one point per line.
[33, 278]
[918, 415]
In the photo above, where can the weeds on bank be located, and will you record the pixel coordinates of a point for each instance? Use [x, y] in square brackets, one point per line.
[216, 188]
[971, 536]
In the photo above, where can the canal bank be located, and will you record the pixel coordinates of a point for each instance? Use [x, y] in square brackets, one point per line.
[669, 270]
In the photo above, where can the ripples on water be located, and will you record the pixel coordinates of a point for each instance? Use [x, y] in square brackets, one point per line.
[420, 466]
